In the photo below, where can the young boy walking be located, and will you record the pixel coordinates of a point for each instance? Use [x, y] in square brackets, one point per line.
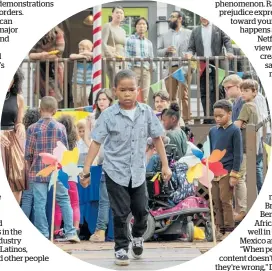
[123, 129]
[225, 136]
[42, 137]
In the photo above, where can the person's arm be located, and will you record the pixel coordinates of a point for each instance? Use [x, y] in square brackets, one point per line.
[89, 55]
[191, 46]
[4, 140]
[77, 56]
[187, 39]
[243, 117]
[105, 37]
[30, 145]
[166, 172]
[161, 51]
[41, 56]
[19, 126]
[239, 123]
[155, 131]
[237, 157]
[99, 133]
[227, 43]
[129, 48]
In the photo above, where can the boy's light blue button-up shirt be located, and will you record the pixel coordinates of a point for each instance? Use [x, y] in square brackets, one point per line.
[125, 142]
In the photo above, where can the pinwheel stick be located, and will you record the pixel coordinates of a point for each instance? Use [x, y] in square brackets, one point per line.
[53, 207]
[211, 204]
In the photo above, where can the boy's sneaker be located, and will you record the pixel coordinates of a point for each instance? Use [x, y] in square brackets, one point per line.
[59, 234]
[121, 257]
[72, 239]
[98, 236]
[137, 247]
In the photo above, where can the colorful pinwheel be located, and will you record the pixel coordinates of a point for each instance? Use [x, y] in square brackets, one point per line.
[204, 166]
[62, 164]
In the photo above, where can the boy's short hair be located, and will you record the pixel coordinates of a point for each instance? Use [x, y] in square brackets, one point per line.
[249, 75]
[223, 104]
[162, 94]
[81, 124]
[233, 78]
[87, 43]
[49, 104]
[123, 74]
[249, 84]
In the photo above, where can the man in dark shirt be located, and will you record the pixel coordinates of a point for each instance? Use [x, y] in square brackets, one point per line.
[208, 40]
[225, 136]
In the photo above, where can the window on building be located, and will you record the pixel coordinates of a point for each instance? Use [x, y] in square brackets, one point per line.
[191, 18]
[128, 24]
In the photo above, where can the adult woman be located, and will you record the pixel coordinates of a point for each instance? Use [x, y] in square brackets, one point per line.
[113, 41]
[52, 41]
[13, 135]
[138, 45]
[102, 102]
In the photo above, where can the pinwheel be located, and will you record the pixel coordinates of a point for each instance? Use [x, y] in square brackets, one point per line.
[268, 151]
[207, 168]
[62, 164]
[209, 165]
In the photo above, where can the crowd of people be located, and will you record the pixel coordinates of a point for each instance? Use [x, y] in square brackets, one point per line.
[205, 40]
[127, 137]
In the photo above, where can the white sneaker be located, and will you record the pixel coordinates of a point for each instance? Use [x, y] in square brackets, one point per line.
[137, 247]
[121, 257]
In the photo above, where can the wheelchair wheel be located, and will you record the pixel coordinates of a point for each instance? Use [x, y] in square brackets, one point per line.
[150, 227]
[190, 231]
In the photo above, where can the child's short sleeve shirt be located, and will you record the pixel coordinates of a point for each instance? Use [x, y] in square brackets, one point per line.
[125, 142]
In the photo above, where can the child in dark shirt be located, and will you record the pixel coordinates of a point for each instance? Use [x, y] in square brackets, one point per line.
[170, 119]
[225, 136]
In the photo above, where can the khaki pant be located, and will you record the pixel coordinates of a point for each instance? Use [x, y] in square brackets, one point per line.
[222, 194]
[112, 71]
[240, 190]
[182, 94]
[143, 81]
[80, 95]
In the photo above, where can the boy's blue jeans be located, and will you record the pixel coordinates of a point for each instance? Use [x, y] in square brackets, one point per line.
[259, 171]
[40, 191]
[27, 201]
[104, 205]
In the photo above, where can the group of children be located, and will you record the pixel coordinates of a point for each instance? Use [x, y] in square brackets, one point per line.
[123, 137]
[43, 132]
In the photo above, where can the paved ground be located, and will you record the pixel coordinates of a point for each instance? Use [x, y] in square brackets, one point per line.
[158, 255]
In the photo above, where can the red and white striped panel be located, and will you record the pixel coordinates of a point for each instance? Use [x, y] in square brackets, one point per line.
[97, 51]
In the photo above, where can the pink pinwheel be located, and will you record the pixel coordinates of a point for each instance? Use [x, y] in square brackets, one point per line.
[209, 168]
[62, 164]
[52, 160]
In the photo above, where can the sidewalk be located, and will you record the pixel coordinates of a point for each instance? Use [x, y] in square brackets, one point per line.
[157, 255]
